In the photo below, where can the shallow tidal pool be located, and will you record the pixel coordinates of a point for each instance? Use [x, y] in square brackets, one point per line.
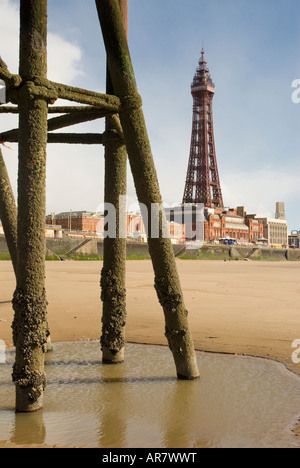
[237, 402]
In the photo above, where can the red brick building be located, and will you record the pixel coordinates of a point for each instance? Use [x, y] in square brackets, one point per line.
[256, 229]
[88, 222]
[220, 225]
[78, 221]
[233, 223]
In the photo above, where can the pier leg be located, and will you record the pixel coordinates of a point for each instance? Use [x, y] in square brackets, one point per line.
[113, 287]
[8, 216]
[142, 166]
[30, 327]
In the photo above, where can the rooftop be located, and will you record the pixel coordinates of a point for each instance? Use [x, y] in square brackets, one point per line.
[76, 214]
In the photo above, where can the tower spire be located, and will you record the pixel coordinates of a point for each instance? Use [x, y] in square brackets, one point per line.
[203, 55]
[202, 181]
[202, 74]
[202, 61]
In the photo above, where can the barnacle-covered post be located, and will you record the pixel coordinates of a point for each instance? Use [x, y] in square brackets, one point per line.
[8, 216]
[113, 288]
[142, 166]
[30, 322]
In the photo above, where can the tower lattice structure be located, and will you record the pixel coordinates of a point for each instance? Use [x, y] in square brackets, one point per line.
[202, 181]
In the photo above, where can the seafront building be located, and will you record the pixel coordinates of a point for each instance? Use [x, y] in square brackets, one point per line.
[294, 240]
[231, 223]
[276, 231]
[243, 227]
[236, 224]
[92, 224]
[53, 232]
[85, 221]
[218, 225]
[280, 211]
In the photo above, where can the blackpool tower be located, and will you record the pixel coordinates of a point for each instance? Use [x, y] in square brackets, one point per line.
[202, 180]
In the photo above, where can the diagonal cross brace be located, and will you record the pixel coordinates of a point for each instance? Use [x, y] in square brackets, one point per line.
[140, 157]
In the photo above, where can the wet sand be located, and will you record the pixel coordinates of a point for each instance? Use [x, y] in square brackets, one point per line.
[249, 308]
[239, 402]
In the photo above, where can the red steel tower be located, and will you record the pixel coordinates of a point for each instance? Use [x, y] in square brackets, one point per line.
[202, 181]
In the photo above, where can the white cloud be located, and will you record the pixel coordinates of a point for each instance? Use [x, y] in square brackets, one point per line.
[64, 65]
[64, 58]
[74, 177]
[261, 189]
[9, 33]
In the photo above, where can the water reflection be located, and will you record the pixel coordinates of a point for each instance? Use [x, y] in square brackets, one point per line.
[112, 426]
[179, 418]
[28, 429]
[239, 402]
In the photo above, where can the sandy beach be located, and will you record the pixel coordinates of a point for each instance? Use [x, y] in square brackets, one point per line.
[249, 308]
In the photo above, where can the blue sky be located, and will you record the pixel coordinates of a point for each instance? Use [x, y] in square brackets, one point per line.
[253, 52]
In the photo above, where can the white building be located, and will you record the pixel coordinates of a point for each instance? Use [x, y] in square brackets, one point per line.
[276, 231]
[53, 232]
